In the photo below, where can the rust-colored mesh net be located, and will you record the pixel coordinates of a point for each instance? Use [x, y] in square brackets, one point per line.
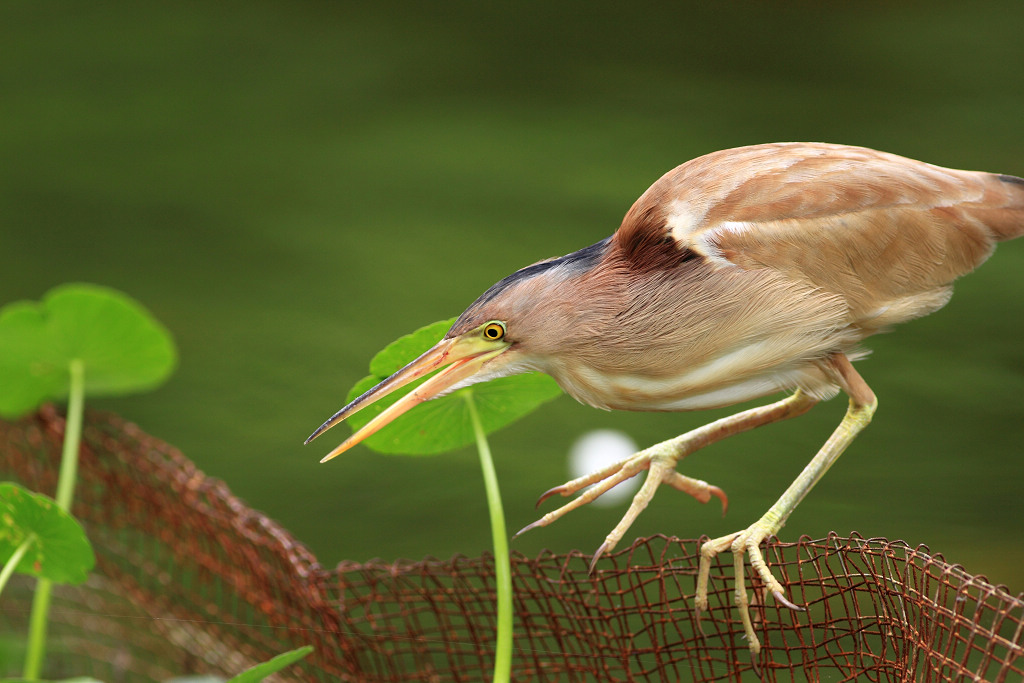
[190, 580]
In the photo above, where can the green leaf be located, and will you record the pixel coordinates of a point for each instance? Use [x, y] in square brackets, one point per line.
[60, 550]
[122, 347]
[444, 424]
[261, 671]
[77, 679]
[398, 353]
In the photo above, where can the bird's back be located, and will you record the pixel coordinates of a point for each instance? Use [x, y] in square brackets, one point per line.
[886, 233]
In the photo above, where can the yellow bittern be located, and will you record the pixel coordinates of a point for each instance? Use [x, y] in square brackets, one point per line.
[737, 275]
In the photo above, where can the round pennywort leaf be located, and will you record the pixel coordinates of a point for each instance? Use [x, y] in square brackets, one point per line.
[121, 346]
[59, 550]
[444, 424]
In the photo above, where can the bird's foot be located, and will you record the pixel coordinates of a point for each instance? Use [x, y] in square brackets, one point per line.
[660, 466]
[746, 542]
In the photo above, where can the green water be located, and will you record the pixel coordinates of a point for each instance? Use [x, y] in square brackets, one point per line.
[291, 185]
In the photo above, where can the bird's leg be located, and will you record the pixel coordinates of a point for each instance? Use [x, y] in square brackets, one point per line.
[858, 415]
[660, 461]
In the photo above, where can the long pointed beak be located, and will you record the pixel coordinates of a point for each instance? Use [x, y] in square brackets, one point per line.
[464, 358]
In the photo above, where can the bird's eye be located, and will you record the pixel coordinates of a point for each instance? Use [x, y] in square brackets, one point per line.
[494, 331]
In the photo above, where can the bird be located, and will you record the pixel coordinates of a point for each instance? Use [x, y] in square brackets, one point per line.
[738, 275]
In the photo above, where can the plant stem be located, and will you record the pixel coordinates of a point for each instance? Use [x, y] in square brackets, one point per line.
[66, 480]
[72, 437]
[37, 630]
[502, 565]
[19, 552]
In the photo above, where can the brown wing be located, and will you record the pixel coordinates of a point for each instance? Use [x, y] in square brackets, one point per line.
[886, 233]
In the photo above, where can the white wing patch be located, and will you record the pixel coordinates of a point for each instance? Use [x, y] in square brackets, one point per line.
[706, 242]
[685, 224]
[685, 218]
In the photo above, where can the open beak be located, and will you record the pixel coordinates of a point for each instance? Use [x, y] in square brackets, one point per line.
[464, 358]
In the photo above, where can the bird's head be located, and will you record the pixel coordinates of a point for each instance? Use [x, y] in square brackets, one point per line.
[513, 327]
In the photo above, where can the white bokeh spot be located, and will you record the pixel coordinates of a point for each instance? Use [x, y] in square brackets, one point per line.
[598, 449]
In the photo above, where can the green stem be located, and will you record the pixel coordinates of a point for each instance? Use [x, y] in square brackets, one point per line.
[72, 437]
[19, 552]
[66, 480]
[502, 565]
[37, 630]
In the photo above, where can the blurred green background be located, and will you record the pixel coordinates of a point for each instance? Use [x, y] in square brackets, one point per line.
[289, 186]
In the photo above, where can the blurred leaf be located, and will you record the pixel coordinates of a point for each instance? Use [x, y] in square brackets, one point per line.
[77, 679]
[123, 348]
[60, 551]
[261, 671]
[443, 424]
[398, 353]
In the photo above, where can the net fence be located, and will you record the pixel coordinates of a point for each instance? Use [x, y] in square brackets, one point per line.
[190, 580]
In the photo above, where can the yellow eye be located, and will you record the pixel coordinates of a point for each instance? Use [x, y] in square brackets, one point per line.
[494, 331]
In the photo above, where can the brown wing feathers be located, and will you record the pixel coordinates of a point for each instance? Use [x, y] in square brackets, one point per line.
[887, 233]
[1001, 208]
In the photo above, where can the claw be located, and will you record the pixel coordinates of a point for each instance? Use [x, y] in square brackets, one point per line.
[755, 664]
[782, 598]
[720, 495]
[701, 491]
[547, 494]
[597, 555]
[526, 528]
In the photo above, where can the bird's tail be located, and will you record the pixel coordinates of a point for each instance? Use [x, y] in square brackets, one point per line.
[1002, 209]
